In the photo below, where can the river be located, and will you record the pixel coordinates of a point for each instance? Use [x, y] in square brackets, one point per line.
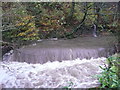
[71, 73]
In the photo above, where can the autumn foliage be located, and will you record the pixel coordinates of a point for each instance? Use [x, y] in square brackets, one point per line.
[34, 20]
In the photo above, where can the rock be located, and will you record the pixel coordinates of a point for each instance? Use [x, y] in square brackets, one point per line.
[54, 39]
[8, 56]
[6, 49]
[11, 51]
[39, 40]
[34, 44]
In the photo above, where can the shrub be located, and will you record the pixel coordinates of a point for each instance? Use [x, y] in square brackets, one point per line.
[110, 76]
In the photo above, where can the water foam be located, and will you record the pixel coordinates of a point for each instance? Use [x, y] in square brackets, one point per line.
[76, 74]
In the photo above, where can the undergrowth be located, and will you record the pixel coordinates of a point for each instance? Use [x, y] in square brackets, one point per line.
[110, 77]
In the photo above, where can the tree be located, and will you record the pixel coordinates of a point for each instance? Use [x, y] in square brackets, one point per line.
[55, 19]
[70, 15]
[81, 23]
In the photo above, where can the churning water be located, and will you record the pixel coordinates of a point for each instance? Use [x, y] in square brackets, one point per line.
[74, 73]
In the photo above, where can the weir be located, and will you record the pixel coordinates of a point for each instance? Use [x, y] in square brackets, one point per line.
[70, 49]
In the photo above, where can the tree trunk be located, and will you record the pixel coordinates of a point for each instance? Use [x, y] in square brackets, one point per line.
[70, 15]
[119, 22]
[118, 45]
[95, 25]
[72, 11]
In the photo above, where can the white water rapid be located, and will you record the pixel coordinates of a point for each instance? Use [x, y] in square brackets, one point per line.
[74, 73]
